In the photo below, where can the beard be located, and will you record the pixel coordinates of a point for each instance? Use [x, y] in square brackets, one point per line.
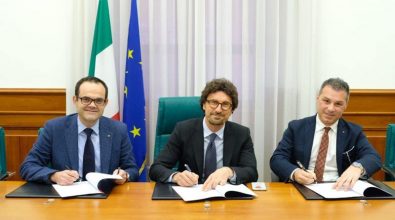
[216, 119]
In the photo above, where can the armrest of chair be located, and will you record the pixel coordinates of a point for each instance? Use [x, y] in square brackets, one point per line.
[389, 172]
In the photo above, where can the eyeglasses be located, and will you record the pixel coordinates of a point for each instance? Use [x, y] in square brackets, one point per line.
[224, 105]
[87, 101]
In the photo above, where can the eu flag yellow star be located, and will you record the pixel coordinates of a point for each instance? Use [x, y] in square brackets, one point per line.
[130, 54]
[125, 90]
[135, 131]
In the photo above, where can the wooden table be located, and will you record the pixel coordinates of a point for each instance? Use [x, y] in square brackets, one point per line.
[133, 201]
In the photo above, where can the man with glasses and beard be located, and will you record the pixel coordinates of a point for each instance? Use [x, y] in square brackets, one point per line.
[209, 150]
[69, 147]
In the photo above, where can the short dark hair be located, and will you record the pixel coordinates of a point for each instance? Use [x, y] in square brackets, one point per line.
[89, 79]
[336, 84]
[223, 85]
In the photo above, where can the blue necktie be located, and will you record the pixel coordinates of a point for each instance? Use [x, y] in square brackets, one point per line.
[210, 161]
[89, 154]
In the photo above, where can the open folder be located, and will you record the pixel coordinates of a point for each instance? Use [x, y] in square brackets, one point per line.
[370, 189]
[96, 183]
[40, 190]
[227, 191]
[170, 191]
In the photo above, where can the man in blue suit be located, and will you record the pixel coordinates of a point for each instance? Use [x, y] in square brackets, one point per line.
[344, 155]
[64, 152]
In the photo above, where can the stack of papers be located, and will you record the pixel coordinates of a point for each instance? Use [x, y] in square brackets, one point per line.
[96, 183]
[226, 191]
[360, 189]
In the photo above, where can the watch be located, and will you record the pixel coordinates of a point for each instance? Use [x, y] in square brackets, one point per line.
[358, 165]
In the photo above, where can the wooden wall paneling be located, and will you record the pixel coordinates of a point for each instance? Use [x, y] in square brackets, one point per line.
[373, 109]
[372, 100]
[12, 155]
[17, 148]
[22, 113]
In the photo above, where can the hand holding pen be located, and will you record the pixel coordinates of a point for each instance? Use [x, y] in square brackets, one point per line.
[79, 178]
[305, 177]
[122, 173]
[186, 178]
[65, 177]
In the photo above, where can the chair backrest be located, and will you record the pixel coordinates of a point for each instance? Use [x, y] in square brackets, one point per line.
[170, 111]
[390, 147]
[3, 162]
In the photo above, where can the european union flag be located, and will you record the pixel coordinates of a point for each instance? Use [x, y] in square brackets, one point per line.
[134, 101]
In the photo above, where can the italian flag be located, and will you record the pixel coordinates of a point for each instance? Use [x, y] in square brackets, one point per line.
[102, 63]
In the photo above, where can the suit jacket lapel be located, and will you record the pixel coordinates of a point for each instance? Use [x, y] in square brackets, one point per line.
[228, 141]
[197, 140]
[340, 144]
[105, 145]
[309, 135]
[71, 137]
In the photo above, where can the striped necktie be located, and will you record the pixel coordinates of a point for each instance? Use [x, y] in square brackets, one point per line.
[321, 158]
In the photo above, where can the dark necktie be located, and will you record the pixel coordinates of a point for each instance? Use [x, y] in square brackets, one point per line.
[210, 161]
[321, 157]
[89, 154]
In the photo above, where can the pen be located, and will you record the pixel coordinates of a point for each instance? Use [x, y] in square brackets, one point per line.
[119, 169]
[187, 167]
[303, 168]
[79, 178]
[301, 165]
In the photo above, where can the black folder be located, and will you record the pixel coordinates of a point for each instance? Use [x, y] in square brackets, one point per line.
[39, 190]
[165, 191]
[311, 195]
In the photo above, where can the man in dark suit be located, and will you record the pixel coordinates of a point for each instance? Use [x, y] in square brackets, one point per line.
[71, 146]
[331, 148]
[211, 150]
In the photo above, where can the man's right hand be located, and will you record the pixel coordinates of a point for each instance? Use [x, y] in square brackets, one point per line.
[304, 177]
[65, 177]
[186, 178]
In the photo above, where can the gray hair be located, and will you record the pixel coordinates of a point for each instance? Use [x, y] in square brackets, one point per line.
[336, 84]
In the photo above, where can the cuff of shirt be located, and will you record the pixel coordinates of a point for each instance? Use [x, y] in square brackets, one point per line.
[170, 179]
[364, 175]
[233, 178]
[291, 177]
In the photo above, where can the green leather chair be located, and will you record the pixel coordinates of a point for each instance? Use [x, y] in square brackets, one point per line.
[389, 163]
[170, 111]
[3, 162]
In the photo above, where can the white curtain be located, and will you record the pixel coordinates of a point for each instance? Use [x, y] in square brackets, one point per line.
[264, 47]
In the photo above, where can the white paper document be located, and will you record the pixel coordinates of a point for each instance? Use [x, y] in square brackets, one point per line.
[360, 189]
[195, 193]
[91, 186]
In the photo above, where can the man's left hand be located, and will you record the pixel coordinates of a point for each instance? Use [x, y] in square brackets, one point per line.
[121, 173]
[219, 177]
[349, 177]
